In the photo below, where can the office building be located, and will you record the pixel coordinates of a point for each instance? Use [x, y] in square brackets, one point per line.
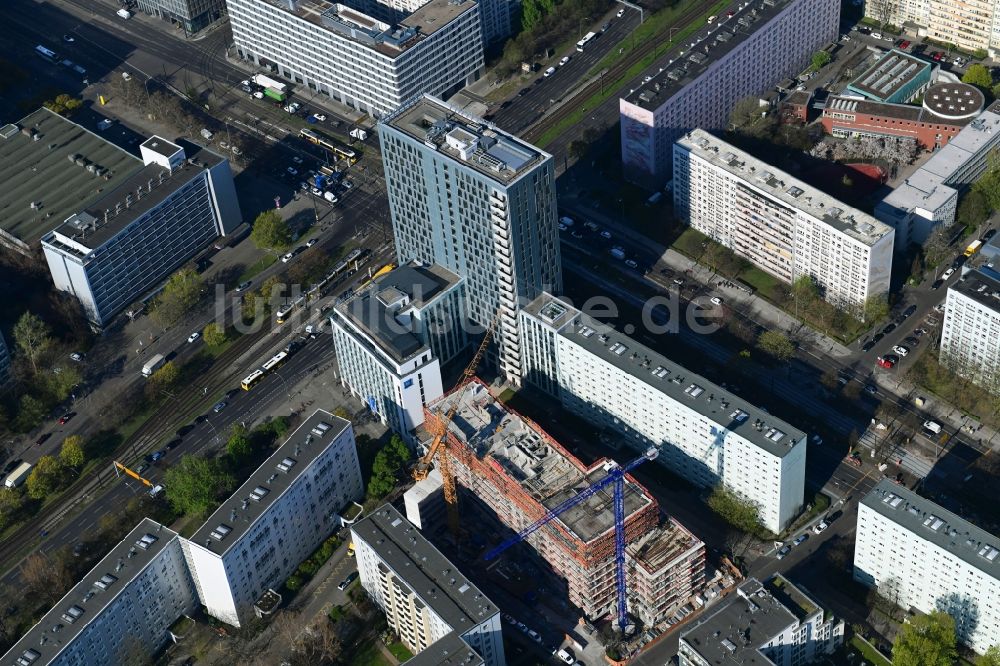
[519, 473]
[969, 25]
[438, 613]
[774, 623]
[478, 201]
[124, 244]
[928, 199]
[970, 337]
[895, 77]
[945, 110]
[190, 15]
[358, 60]
[920, 556]
[276, 519]
[732, 58]
[703, 432]
[391, 339]
[122, 609]
[782, 225]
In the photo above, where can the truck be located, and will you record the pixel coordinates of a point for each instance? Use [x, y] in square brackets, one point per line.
[124, 13]
[17, 477]
[152, 365]
[973, 247]
[276, 90]
[617, 253]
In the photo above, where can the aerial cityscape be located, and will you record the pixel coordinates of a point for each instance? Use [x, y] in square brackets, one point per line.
[500, 332]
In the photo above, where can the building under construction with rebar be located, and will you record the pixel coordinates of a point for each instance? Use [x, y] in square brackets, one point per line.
[518, 471]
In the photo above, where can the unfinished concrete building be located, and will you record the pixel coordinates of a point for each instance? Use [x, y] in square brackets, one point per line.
[520, 473]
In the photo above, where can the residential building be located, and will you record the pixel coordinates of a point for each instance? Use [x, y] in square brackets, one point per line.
[391, 339]
[732, 58]
[969, 25]
[427, 601]
[519, 473]
[123, 244]
[774, 623]
[358, 60]
[276, 519]
[5, 375]
[946, 109]
[970, 337]
[190, 15]
[703, 432]
[920, 556]
[782, 225]
[478, 201]
[123, 607]
[895, 77]
[928, 199]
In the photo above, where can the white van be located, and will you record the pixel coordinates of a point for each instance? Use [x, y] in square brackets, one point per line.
[932, 426]
[550, 71]
[124, 13]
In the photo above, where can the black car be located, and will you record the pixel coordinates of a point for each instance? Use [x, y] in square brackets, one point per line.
[889, 328]
[937, 284]
[877, 337]
[912, 341]
[11, 466]
[989, 234]
[868, 346]
[909, 311]
[958, 261]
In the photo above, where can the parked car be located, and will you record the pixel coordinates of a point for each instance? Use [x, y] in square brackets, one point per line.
[219, 406]
[889, 328]
[871, 389]
[948, 273]
[820, 526]
[287, 257]
[42, 438]
[878, 337]
[156, 455]
[320, 117]
[564, 60]
[65, 418]
[912, 341]
[989, 234]
[868, 346]
[800, 539]
[605, 234]
[888, 361]
[904, 44]
[311, 242]
[937, 284]
[565, 656]
[631, 263]
[194, 336]
[76, 356]
[784, 551]
[347, 581]
[716, 300]
[549, 72]
[909, 311]
[243, 286]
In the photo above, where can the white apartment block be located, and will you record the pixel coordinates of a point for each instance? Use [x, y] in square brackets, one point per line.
[929, 197]
[782, 225]
[744, 54]
[703, 432]
[123, 608]
[438, 613]
[970, 25]
[774, 623]
[970, 338]
[276, 519]
[358, 60]
[922, 557]
[392, 338]
[478, 201]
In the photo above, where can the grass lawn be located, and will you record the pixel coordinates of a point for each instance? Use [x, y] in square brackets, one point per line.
[256, 267]
[506, 395]
[400, 652]
[369, 655]
[870, 654]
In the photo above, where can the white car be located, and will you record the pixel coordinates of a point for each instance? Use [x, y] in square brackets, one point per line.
[312, 241]
[647, 78]
[819, 527]
[716, 300]
[293, 171]
[194, 336]
[605, 234]
[876, 35]
[565, 59]
[288, 257]
[901, 350]
[76, 356]
[621, 13]
[296, 159]
[948, 273]
[565, 656]
[258, 94]
[126, 76]
[631, 263]
[320, 117]
[549, 72]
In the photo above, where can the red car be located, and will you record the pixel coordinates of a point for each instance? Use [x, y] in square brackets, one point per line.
[887, 361]
[66, 417]
[904, 44]
[938, 55]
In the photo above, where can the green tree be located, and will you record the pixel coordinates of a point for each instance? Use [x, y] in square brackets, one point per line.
[738, 512]
[820, 59]
[10, 503]
[59, 383]
[989, 186]
[46, 477]
[578, 149]
[165, 378]
[973, 209]
[777, 345]
[181, 293]
[63, 104]
[238, 447]
[33, 338]
[926, 640]
[978, 75]
[214, 334]
[383, 476]
[531, 14]
[195, 484]
[342, 413]
[71, 454]
[30, 412]
[876, 308]
[990, 658]
[270, 231]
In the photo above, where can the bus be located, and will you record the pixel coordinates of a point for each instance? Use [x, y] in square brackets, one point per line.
[582, 44]
[252, 379]
[274, 362]
[48, 54]
[973, 247]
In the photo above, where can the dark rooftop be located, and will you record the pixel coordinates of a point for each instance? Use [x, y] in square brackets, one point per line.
[448, 651]
[981, 287]
[888, 75]
[235, 516]
[907, 112]
[42, 171]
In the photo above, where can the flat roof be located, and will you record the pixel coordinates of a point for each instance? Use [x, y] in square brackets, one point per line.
[424, 570]
[907, 112]
[375, 309]
[889, 74]
[449, 650]
[680, 384]
[958, 101]
[932, 522]
[735, 631]
[784, 187]
[690, 59]
[42, 171]
[981, 287]
[94, 593]
[241, 510]
[527, 455]
[466, 139]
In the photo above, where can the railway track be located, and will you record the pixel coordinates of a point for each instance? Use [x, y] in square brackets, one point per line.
[616, 71]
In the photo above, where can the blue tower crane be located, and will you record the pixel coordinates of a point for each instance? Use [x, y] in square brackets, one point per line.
[616, 477]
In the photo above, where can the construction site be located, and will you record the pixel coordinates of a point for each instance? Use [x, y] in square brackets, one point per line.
[490, 456]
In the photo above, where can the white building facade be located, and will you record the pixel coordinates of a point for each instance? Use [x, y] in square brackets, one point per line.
[391, 340]
[481, 203]
[736, 56]
[128, 242]
[920, 556]
[970, 337]
[283, 512]
[779, 223]
[970, 25]
[358, 60]
[703, 432]
[425, 598]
